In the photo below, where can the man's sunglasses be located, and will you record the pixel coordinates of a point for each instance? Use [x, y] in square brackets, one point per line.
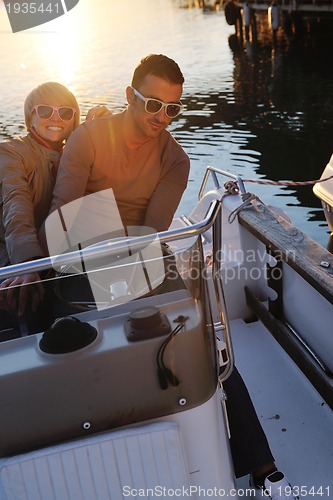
[45, 112]
[153, 106]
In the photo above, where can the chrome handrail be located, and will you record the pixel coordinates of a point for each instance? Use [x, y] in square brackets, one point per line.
[111, 247]
[213, 171]
[220, 298]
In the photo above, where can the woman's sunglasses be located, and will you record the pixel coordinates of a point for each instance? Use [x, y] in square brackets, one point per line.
[153, 106]
[45, 112]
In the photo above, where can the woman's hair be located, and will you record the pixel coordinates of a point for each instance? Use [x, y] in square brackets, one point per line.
[50, 92]
[157, 65]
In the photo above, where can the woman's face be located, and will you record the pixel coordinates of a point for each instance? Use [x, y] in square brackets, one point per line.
[53, 130]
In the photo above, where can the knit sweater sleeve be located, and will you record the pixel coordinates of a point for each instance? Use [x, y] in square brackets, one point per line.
[74, 169]
[170, 188]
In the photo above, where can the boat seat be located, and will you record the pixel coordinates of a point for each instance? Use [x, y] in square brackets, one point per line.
[109, 465]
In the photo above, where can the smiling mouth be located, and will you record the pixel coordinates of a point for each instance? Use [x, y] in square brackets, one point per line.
[55, 129]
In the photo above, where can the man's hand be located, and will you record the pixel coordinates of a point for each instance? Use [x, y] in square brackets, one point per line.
[15, 292]
[97, 112]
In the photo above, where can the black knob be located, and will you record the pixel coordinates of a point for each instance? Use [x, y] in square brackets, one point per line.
[67, 335]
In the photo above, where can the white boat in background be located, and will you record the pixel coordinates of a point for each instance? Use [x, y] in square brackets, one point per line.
[126, 399]
[324, 191]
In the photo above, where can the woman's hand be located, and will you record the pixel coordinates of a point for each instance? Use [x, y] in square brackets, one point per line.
[16, 293]
[97, 112]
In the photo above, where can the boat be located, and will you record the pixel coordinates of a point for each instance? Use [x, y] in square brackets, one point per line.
[125, 397]
[324, 191]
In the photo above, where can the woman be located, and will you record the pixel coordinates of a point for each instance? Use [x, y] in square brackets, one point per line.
[28, 168]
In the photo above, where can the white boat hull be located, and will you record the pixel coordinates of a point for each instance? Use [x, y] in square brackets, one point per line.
[324, 191]
[116, 417]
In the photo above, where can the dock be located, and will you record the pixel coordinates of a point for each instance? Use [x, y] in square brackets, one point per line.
[309, 6]
[292, 20]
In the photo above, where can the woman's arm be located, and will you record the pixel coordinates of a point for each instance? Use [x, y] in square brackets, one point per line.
[18, 220]
[18, 230]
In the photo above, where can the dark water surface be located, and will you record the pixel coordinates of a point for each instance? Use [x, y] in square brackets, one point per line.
[259, 111]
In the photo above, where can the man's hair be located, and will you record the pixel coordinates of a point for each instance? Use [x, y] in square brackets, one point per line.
[157, 65]
[56, 92]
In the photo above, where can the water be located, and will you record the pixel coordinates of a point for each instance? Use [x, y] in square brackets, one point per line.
[258, 111]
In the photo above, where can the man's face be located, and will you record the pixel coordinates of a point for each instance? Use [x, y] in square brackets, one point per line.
[149, 125]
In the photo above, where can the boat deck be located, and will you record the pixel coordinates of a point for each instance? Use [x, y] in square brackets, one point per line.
[297, 422]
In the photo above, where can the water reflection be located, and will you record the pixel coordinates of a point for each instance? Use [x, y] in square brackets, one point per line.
[286, 96]
[259, 110]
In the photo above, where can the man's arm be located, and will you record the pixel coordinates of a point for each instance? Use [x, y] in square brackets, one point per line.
[74, 169]
[73, 174]
[169, 190]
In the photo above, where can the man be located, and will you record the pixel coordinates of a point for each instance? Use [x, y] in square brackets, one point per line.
[132, 152]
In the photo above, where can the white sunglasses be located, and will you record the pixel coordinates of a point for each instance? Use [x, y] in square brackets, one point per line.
[153, 106]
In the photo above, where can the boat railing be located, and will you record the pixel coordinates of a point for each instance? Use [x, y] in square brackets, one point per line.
[113, 247]
[212, 172]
